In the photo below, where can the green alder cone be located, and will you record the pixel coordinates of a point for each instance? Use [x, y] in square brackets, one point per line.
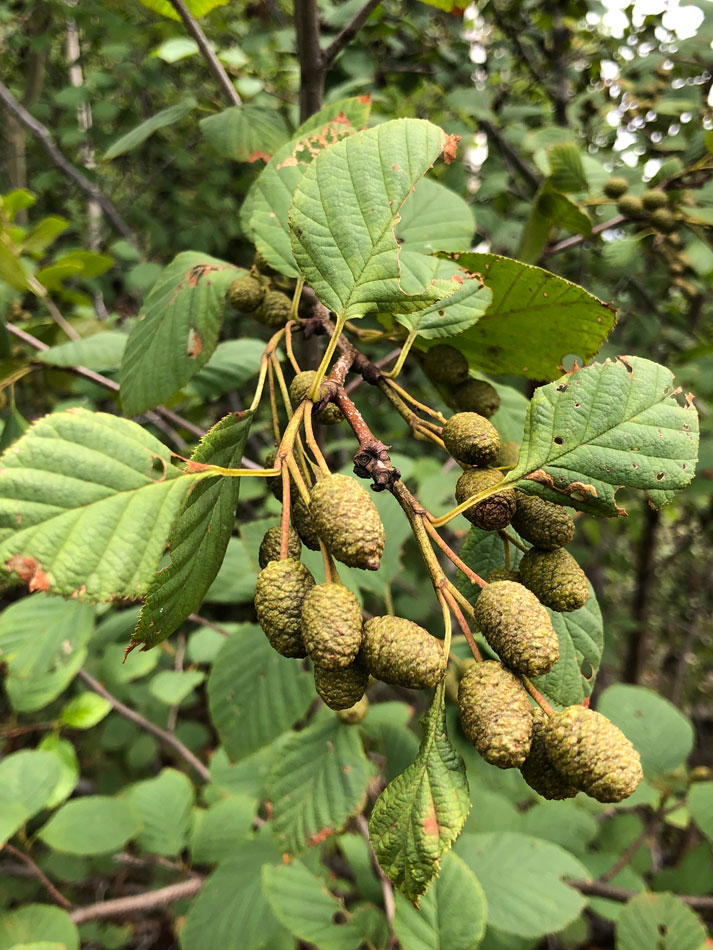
[476, 395]
[445, 365]
[331, 626]
[654, 199]
[592, 753]
[347, 521]
[303, 524]
[630, 206]
[274, 482]
[246, 294]
[495, 714]
[502, 574]
[542, 523]
[517, 627]
[615, 187]
[664, 221]
[341, 689]
[494, 512]
[279, 593]
[555, 578]
[471, 439]
[270, 546]
[537, 770]
[274, 311]
[400, 653]
[354, 714]
[301, 385]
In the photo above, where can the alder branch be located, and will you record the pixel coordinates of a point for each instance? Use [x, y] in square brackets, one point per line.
[43, 135]
[579, 238]
[39, 874]
[597, 889]
[161, 734]
[214, 64]
[149, 900]
[348, 33]
[309, 54]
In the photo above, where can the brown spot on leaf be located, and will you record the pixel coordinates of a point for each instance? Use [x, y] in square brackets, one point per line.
[450, 148]
[195, 344]
[30, 572]
[430, 824]
[365, 99]
[259, 156]
[320, 836]
[578, 490]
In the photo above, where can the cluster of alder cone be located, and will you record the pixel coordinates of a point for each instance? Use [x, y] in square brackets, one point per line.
[558, 752]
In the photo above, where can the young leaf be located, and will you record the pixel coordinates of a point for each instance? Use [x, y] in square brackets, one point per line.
[197, 8]
[200, 536]
[421, 812]
[254, 694]
[700, 805]
[164, 804]
[87, 501]
[608, 426]
[94, 824]
[661, 921]
[66, 758]
[346, 208]
[27, 782]
[318, 781]
[245, 133]
[177, 330]
[534, 321]
[146, 128]
[450, 316]
[435, 219]
[38, 927]
[84, 711]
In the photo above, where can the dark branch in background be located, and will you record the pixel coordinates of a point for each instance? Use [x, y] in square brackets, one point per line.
[347, 34]
[43, 135]
[38, 873]
[150, 900]
[161, 734]
[510, 154]
[579, 238]
[215, 65]
[309, 54]
[597, 889]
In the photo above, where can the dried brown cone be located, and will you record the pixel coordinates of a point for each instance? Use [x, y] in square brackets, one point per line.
[555, 578]
[331, 626]
[399, 652]
[279, 593]
[495, 714]
[303, 524]
[300, 387]
[476, 395]
[495, 511]
[592, 753]
[346, 519]
[517, 627]
[270, 546]
[341, 689]
[445, 365]
[539, 773]
[542, 523]
[471, 439]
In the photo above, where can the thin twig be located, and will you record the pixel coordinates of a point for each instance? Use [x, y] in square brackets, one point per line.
[347, 34]
[43, 135]
[386, 888]
[150, 900]
[579, 238]
[196, 618]
[452, 556]
[161, 734]
[597, 889]
[23, 730]
[214, 64]
[39, 874]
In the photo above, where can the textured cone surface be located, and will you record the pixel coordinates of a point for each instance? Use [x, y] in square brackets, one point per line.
[270, 546]
[246, 294]
[517, 627]
[399, 652]
[615, 187]
[280, 590]
[354, 714]
[542, 523]
[555, 578]
[539, 773]
[304, 525]
[274, 311]
[331, 626]
[494, 512]
[508, 455]
[654, 199]
[445, 365]
[495, 714]
[502, 574]
[347, 521]
[630, 206]
[301, 385]
[471, 439]
[341, 689]
[664, 221]
[592, 753]
[477, 395]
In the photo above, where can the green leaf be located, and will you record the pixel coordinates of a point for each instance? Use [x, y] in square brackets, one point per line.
[147, 128]
[43, 234]
[661, 734]
[345, 211]
[534, 321]
[660, 921]
[199, 539]
[87, 501]
[522, 880]
[268, 203]
[434, 218]
[451, 316]
[95, 824]
[175, 49]
[66, 758]
[171, 687]
[233, 363]
[303, 905]
[15, 426]
[197, 8]
[177, 330]
[235, 582]
[42, 924]
[245, 133]
[230, 910]
[451, 915]
[27, 781]
[567, 170]
[607, 426]
[11, 270]
[254, 694]
[550, 209]
[220, 831]
[85, 711]
[700, 805]
[15, 201]
[318, 781]
[420, 813]
[99, 352]
[164, 804]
